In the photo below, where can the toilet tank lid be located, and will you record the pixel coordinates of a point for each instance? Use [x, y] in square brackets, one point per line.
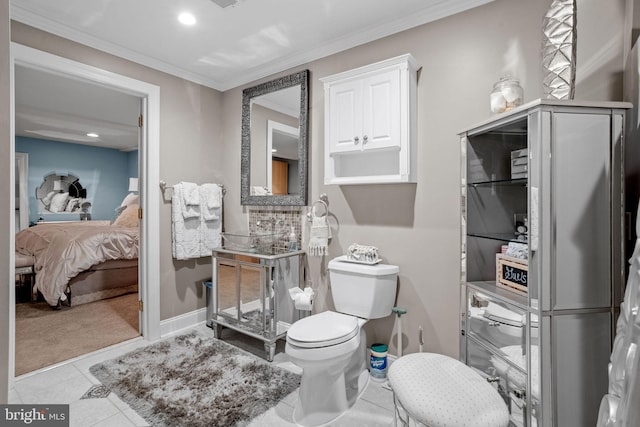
[341, 263]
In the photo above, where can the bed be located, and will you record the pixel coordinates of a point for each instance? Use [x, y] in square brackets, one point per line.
[88, 260]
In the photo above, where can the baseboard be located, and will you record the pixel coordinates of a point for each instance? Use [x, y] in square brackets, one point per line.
[184, 321]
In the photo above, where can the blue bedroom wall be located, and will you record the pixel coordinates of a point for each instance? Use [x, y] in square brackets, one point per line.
[104, 172]
[132, 163]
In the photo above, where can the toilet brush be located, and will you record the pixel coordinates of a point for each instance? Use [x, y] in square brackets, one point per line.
[399, 312]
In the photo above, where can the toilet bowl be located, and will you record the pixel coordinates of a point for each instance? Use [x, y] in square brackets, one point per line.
[331, 346]
[333, 367]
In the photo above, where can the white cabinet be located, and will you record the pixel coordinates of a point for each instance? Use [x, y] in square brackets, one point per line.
[546, 349]
[370, 123]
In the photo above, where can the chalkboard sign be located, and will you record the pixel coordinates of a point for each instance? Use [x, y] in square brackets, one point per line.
[512, 273]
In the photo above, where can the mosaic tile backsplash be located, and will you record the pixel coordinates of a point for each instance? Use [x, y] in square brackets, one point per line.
[279, 221]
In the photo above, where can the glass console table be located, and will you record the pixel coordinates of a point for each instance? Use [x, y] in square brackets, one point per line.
[249, 293]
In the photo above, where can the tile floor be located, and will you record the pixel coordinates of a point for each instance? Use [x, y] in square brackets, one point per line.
[66, 383]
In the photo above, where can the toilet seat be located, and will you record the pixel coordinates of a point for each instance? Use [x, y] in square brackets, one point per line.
[323, 330]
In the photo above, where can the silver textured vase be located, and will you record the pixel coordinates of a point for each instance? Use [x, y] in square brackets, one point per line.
[559, 50]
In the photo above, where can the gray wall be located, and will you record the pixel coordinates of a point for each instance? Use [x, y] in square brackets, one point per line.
[416, 226]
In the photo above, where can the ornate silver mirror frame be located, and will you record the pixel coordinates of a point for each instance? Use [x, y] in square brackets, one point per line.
[249, 96]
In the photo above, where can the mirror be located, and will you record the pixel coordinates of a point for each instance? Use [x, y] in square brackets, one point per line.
[274, 142]
[62, 193]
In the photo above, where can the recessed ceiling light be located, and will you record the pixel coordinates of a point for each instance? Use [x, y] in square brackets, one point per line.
[186, 18]
[274, 150]
[93, 135]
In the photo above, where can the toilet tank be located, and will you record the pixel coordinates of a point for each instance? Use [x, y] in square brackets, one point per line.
[366, 291]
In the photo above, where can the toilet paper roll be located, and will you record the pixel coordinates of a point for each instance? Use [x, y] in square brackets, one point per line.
[303, 301]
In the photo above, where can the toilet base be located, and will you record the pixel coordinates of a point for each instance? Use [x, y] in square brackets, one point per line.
[338, 402]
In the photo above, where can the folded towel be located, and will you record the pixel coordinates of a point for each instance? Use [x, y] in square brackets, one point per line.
[210, 236]
[319, 236]
[211, 197]
[211, 224]
[189, 195]
[185, 231]
[259, 191]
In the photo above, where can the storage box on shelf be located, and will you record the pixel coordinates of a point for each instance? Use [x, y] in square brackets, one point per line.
[547, 175]
[511, 273]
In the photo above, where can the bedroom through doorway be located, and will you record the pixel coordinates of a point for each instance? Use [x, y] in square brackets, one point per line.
[103, 308]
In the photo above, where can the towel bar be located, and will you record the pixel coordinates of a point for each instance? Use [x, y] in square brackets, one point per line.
[164, 187]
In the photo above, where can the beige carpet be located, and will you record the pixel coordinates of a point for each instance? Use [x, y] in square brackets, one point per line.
[45, 337]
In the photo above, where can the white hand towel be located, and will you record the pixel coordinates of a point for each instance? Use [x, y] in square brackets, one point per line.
[185, 231]
[259, 191]
[190, 193]
[190, 199]
[319, 236]
[211, 224]
[211, 196]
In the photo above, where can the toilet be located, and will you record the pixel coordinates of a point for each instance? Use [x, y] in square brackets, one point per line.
[331, 347]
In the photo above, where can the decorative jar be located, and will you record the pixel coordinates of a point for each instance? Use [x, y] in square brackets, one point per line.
[506, 94]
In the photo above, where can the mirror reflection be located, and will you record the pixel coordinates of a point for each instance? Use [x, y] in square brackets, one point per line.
[61, 193]
[274, 142]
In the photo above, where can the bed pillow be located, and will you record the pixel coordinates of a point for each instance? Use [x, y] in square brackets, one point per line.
[46, 200]
[128, 217]
[130, 199]
[59, 202]
[73, 205]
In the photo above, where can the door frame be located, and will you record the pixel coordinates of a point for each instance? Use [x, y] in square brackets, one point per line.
[148, 170]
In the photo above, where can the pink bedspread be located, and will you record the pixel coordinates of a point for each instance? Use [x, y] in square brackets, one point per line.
[62, 251]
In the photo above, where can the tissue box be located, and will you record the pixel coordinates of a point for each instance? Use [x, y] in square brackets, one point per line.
[512, 273]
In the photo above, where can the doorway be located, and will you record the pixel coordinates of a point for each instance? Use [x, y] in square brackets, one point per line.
[148, 170]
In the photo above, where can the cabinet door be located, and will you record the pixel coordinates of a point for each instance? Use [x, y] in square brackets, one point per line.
[381, 111]
[581, 200]
[577, 372]
[345, 116]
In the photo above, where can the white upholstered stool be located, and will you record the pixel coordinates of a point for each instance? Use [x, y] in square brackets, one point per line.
[436, 390]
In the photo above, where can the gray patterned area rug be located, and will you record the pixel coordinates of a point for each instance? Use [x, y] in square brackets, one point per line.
[195, 380]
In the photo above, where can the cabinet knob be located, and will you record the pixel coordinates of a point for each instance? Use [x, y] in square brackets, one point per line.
[356, 140]
[365, 139]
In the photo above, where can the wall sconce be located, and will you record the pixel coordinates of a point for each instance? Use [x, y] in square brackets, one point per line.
[133, 185]
[57, 186]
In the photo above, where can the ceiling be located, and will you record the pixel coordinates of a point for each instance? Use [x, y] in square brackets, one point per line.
[58, 108]
[227, 46]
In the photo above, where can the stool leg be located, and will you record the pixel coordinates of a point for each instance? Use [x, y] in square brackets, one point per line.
[397, 415]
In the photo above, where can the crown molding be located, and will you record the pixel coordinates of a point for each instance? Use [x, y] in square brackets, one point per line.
[437, 11]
